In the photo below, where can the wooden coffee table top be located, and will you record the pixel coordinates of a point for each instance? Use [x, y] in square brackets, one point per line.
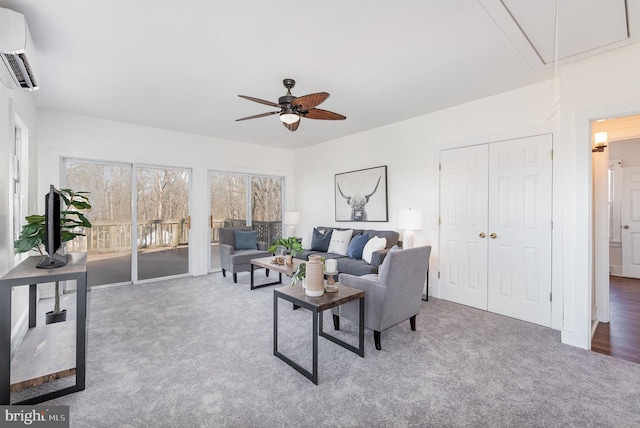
[344, 295]
[267, 262]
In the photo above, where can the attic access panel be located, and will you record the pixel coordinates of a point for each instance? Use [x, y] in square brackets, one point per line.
[582, 25]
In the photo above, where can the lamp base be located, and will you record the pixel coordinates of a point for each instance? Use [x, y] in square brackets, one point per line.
[407, 239]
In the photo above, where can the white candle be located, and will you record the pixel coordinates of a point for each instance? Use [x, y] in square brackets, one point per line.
[332, 265]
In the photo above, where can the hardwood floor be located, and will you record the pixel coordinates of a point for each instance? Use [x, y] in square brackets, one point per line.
[620, 338]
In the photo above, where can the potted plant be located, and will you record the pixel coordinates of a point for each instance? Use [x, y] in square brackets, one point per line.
[291, 245]
[33, 235]
[299, 274]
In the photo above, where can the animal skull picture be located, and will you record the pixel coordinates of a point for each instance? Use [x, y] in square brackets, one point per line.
[357, 193]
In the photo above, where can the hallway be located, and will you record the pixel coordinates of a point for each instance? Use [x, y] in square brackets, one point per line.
[620, 338]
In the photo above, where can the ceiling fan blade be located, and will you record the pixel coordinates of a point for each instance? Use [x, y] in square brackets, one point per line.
[307, 102]
[258, 115]
[261, 101]
[317, 113]
[292, 127]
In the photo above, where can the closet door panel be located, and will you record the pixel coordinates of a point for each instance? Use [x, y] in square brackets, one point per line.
[519, 247]
[463, 217]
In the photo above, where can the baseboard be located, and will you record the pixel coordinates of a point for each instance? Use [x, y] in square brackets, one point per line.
[615, 270]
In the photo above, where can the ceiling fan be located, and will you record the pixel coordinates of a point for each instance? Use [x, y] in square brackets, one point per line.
[292, 108]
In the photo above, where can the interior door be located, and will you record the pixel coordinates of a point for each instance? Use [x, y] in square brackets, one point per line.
[630, 220]
[463, 230]
[520, 191]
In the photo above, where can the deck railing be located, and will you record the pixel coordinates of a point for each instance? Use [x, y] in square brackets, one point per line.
[115, 236]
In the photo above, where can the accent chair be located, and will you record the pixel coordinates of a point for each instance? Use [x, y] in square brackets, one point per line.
[392, 296]
[236, 259]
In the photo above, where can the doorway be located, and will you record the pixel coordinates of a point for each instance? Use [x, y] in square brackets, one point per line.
[616, 237]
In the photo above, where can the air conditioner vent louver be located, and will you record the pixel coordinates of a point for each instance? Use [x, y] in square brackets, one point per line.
[19, 65]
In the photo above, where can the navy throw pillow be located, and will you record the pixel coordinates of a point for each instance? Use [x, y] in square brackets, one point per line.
[356, 246]
[319, 241]
[246, 240]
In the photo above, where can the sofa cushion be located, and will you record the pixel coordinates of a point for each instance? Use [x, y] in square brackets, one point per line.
[355, 267]
[243, 257]
[340, 241]
[320, 241]
[246, 240]
[375, 244]
[356, 246]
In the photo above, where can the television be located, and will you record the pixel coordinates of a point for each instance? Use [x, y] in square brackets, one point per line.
[53, 231]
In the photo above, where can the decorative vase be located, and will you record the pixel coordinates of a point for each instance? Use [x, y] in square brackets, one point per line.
[314, 277]
[288, 259]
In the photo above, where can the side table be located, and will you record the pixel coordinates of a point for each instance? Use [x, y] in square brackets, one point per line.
[26, 273]
[317, 305]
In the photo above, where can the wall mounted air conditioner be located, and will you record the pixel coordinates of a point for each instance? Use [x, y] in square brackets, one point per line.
[16, 50]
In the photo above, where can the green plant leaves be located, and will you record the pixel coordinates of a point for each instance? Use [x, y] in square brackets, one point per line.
[33, 233]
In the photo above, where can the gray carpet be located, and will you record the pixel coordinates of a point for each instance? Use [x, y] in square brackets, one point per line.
[198, 352]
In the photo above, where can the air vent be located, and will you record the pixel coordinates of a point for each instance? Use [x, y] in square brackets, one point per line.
[21, 71]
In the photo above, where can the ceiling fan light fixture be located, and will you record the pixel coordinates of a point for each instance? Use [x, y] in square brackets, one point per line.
[289, 118]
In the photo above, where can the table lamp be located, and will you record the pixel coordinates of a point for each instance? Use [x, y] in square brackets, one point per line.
[291, 219]
[409, 220]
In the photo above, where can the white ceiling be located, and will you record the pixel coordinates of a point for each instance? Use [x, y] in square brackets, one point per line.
[180, 65]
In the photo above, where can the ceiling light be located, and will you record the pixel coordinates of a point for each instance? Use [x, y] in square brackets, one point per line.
[289, 118]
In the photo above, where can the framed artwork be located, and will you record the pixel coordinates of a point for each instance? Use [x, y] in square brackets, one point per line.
[362, 195]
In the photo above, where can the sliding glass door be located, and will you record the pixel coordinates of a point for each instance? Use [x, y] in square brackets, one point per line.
[163, 222]
[240, 200]
[160, 235]
[108, 242]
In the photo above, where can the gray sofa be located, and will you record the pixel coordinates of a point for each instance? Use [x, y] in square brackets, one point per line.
[357, 266]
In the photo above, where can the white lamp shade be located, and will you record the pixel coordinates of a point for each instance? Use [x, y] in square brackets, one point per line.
[600, 138]
[410, 219]
[291, 217]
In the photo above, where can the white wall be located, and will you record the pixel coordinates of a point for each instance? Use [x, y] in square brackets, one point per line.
[68, 135]
[628, 151]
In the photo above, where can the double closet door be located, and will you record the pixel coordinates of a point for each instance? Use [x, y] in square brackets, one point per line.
[495, 227]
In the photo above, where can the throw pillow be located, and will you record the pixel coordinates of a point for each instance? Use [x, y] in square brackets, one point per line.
[357, 245]
[340, 241]
[374, 244]
[246, 240]
[320, 241]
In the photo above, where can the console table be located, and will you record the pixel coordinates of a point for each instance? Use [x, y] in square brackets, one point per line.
[26, 273]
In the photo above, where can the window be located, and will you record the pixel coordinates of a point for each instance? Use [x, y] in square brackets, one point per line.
[19, 175]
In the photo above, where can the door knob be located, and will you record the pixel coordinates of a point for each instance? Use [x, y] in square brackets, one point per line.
[493, 236]
[626, 226]
[482, 235]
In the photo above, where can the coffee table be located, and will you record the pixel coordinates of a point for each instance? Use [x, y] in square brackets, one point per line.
[317, 305]
[266, 262]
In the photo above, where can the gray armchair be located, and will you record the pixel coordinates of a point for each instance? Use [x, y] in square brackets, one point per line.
[235, 261]
[391, 296]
